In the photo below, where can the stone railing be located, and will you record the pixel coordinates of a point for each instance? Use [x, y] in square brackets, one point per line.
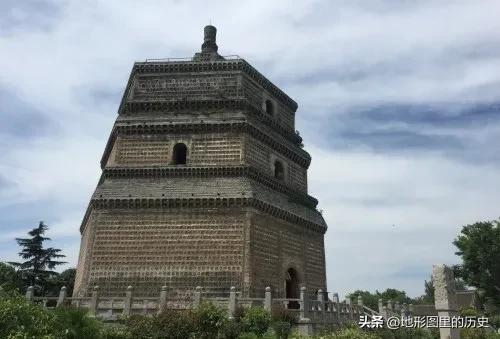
[390, 308]
[313, 311]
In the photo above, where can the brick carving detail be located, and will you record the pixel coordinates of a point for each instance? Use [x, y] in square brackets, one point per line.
[151, 248]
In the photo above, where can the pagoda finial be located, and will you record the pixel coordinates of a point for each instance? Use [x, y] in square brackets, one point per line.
[209, 40]
[209, 47]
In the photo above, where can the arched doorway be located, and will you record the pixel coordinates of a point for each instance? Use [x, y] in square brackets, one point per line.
[292, 287]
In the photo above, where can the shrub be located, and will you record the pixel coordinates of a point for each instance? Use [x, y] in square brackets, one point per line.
[282, 329]
[281, 314]
[256, 320]
[231, 330]
[247, 335]
[19, 319]
[239, 312]
[114, 332]
[209, 319]
[478, 333]
[174, 324]
[468, 312]
[353, 333]
[405, 333]
[140, 326]
[495, 321]
[75, 323]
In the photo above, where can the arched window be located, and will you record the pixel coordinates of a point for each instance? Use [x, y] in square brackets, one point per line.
[279, 171]
[179, 154]
[269, 107]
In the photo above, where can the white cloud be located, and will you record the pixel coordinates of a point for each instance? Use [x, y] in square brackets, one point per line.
[388, 213]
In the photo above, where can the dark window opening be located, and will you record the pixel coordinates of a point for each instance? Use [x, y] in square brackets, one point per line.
[179, 154]
[269, 107]
[279, 172]
[292, 288]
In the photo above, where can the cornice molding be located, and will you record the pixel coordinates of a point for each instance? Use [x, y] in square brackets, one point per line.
[138, 107]
[201, 203]
[296, 196]
[214, 66]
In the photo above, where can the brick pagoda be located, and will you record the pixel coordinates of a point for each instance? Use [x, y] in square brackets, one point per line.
[204, 182]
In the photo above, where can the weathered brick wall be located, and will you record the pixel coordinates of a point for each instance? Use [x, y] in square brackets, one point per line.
[149, 248]
[203, 149]
[262, 157]
[193, 86]
[276, 246]
[206, 86]
[140, 150]
[83, 258]
[216, 149]
[297, 176]
[256, 95]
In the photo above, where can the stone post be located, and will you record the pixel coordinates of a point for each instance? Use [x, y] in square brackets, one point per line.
[162, 304]
[349, 307]
[304, 305]
[127, 305]
[268, 301]
[390, 307]
[404, 310]
[197, 297]
[30, 293]
[305, 326]
[397, 307]
[321, 299]
[321, 302]
[232, 302]
[335, 299]
[411, 309]
[94, 301]
[380, 306]
[359, 306]
[445, 298]
[62, 297]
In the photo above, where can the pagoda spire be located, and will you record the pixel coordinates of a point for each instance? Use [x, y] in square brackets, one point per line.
[209, 47]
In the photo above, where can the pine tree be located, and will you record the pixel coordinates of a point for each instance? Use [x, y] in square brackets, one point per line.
[40, 262]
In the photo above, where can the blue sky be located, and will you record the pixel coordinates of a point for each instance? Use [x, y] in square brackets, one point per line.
[399, 106]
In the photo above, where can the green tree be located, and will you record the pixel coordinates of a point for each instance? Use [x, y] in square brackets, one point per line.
[65, 278]
[40, 262]
[429, 291]
[10, 279]
[479, 247]
[428, 297]
[369, 299]
[396, 296]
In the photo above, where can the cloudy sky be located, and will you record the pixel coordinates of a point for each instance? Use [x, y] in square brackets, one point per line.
[399, 106]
